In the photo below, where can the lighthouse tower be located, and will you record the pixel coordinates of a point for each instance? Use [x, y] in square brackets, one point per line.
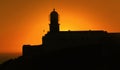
[54, 25]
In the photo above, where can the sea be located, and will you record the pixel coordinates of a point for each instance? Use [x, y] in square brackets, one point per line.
[7, 56]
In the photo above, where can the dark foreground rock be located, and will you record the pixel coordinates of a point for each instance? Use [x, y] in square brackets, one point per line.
[63, 59]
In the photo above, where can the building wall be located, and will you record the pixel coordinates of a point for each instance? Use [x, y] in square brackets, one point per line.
[96, 43]
[29, 50]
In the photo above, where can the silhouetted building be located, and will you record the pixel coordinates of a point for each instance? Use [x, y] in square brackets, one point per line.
[89, 42]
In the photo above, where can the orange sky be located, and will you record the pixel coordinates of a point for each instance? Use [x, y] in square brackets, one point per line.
[23, 21]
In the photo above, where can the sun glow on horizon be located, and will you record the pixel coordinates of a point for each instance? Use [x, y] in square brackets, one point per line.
[73, 21]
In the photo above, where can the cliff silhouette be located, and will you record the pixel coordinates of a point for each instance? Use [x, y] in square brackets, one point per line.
[83, 50]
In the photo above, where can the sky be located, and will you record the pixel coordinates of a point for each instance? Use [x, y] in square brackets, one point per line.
[24, 22]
